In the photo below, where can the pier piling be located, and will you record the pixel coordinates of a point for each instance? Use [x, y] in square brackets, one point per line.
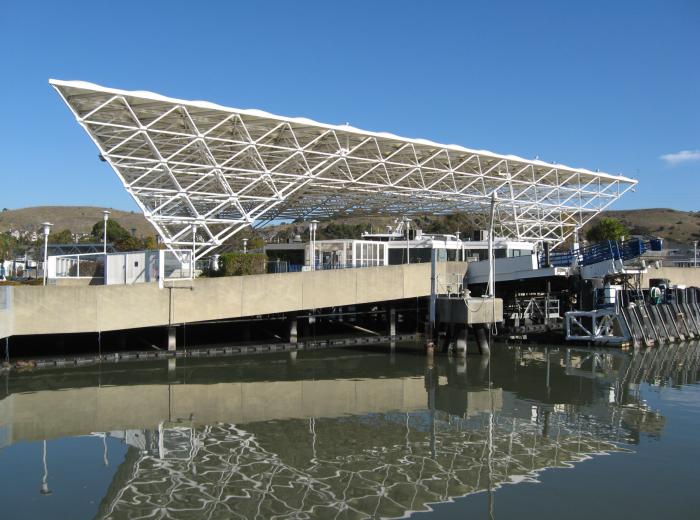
[172, 339]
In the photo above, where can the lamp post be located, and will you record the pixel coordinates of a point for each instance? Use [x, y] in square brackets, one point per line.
[695, 253]
[491, 289]
[245, 245]
[312, 237]
[105, 214]
[407, 221]
[47, 230]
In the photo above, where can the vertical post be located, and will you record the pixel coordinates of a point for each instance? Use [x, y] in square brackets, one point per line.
[47, 230]
[172, 338]
[293, 330]
[408, 239]
[433, 297]
[312, 242]
[105, 214]
[245, 246]
[194, 247]
[392, 321]
[491, 290]
[695, 253]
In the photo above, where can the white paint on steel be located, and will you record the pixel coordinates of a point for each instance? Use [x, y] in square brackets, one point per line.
[194, 163]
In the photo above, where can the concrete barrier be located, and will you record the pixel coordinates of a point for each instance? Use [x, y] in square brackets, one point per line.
[688, 276]
[75, 309]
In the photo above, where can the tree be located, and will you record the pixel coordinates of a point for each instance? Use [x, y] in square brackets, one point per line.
[607, 229]
[115, 231]
[7, 246]
[62, 237]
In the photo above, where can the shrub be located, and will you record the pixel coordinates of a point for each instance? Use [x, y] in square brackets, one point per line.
[237, 264]
[606, 229]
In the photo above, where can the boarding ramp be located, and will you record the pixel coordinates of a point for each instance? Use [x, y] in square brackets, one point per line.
[604, 258]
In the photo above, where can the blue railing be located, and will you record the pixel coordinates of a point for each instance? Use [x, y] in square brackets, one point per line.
[608, 250]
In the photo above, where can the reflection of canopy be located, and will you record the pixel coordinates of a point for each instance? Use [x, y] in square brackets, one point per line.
[193, 164]
[357, 467]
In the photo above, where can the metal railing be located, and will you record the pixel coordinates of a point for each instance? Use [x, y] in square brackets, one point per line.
[602, 251]
[83, 265]
[286, 267]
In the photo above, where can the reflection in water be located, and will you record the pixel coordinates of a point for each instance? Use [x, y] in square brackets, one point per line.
[342, 435]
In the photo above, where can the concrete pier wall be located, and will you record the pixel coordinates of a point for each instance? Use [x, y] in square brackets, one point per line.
[6, 315]
[688, 276]
[75, 309]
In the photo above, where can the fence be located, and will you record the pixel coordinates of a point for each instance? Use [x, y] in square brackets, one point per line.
[175, 265]
[123, 268]
[608, 250]
[84, 265]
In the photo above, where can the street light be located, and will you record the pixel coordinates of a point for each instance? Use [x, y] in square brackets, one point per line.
[491, 287]
[47, 230]
[105, 218]
[695, 253]
[407, 221]
[312, 237]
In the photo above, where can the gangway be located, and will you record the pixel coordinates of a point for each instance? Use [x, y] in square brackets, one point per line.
[602, 252]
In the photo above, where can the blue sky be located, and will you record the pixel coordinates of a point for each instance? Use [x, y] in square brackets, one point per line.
[596, 84]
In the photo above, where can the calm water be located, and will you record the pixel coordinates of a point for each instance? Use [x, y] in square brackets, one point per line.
[530, 433]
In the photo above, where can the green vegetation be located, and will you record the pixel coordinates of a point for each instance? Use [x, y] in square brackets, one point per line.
[62, 237]
[120, 237]
[237, 264]
[607, 229]
[339, 230]
[7, 246]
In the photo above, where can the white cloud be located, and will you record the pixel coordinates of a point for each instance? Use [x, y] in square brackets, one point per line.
[683, 156]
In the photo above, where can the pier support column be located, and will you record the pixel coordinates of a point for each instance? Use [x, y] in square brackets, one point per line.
[172, 338]
[392, 321]
[460, 348]
[483, 341]
[293, 330]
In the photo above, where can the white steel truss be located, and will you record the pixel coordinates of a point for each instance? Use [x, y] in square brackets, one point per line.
[202, 172]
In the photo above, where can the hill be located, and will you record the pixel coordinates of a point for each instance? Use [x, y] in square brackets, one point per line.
[680, 227]
[675, 226]
[79, 219]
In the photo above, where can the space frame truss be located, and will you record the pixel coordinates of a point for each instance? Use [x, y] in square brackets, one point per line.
[201, 172]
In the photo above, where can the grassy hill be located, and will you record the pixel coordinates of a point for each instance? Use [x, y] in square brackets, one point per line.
[79, 219]
[673, 225]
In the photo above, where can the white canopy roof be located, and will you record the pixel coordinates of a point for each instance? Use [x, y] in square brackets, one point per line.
[204, 170]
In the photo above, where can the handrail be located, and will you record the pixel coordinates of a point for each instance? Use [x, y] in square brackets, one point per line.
[602, 251]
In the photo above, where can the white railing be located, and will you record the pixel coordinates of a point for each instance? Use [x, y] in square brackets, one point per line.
[175, 264]
[83, 265]
[124, 268]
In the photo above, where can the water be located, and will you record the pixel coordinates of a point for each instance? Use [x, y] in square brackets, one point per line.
[530, 433]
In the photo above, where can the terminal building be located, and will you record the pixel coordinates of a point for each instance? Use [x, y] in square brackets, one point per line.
[391, 248]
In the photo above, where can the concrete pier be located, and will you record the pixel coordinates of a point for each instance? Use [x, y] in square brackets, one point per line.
[172, 339]
[77, 309]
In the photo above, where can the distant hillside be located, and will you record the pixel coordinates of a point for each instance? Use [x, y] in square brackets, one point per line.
[675, 226]
[79, 219]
